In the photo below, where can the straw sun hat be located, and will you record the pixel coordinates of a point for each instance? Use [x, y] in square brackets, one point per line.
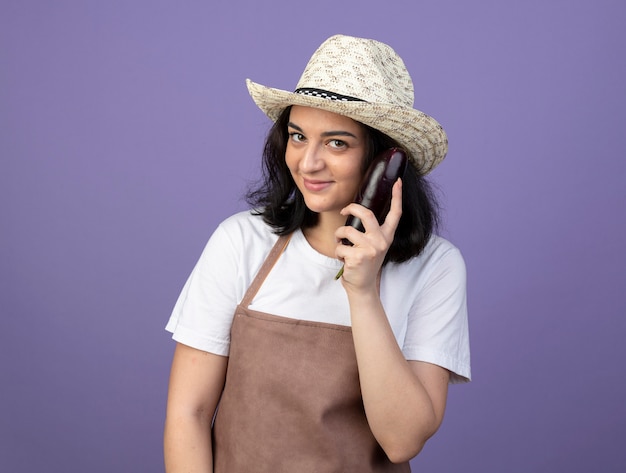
[367, 81]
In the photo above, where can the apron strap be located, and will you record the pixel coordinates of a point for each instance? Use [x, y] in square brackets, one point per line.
[265, 269]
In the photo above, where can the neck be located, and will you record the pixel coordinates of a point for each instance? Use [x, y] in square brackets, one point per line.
[322, 236]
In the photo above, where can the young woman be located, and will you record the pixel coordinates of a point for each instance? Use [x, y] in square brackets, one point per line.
[312, 374]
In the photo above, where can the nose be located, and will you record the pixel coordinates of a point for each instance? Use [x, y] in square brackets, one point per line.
[312, 159]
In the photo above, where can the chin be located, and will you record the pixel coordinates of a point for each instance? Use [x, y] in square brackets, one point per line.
[322, 204]
[321, 208]
[316, 208]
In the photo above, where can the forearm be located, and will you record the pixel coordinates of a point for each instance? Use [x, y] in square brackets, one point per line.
[187, 444]
[398, 407]
[196, 383]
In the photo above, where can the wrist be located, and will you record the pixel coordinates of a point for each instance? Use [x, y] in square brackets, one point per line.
[363, 298]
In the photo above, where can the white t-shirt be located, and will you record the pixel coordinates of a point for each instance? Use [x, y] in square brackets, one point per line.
[424, 298]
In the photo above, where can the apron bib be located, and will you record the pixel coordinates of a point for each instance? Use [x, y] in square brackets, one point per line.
[292, 399]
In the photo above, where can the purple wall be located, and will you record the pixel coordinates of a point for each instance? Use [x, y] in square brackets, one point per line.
[127, 134]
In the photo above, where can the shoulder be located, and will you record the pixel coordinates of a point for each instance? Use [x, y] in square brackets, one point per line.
[441, 262]
[245, 220]
[243, 238]
[438, 249]
[438, 252]
[246, 227]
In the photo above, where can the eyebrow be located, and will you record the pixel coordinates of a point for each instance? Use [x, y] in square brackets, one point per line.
[326, 133]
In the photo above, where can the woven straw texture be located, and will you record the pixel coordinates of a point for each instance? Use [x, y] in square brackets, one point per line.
[381, 91]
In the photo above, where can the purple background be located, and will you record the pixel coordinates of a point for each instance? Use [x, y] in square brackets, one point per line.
[127, 134]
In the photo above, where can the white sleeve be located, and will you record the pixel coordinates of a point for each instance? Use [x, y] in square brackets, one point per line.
[203, 313]
[437, 330]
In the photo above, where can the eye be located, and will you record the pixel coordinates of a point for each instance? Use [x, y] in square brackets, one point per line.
[296, 137]
[337, 144]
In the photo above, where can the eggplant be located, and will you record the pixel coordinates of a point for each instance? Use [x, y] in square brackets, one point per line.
[375, 189]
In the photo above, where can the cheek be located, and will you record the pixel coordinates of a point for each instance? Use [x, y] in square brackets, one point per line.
[291, 158]
[290, 161]
[354, 187]
[355, 173]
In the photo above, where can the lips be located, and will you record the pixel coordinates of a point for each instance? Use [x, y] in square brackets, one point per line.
[315, 185]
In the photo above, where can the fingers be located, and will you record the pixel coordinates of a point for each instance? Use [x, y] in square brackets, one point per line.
[395, 211]
[369, 220]
[363, 222]
[371, 245]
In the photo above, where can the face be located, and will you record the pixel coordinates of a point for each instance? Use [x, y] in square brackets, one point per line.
[325, 153]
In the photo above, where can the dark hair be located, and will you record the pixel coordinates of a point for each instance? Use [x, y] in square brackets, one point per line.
[278, 200]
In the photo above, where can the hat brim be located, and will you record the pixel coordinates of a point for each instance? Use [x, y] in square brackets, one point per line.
[419, 134]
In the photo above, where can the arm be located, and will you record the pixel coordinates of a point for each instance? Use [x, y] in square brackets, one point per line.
[195, 387]
[404, 400]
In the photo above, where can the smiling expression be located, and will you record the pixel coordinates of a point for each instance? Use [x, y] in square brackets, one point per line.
[325, 152]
